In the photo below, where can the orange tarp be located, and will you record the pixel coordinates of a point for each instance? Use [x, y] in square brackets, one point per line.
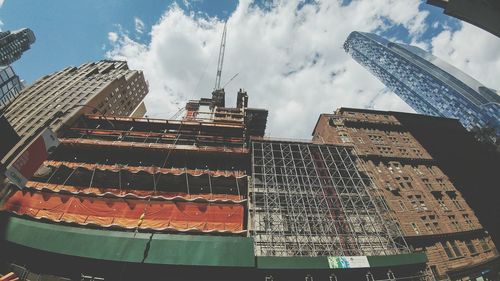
[158, 215]
[132, 193]
[154, 146]
[149, 170]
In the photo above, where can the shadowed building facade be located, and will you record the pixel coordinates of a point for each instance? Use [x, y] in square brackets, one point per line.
[484, 14]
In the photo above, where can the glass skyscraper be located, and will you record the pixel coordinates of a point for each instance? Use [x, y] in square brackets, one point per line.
[10, 86]
[14, 43]
[426, 83]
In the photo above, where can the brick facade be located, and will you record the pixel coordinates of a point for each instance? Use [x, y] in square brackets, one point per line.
[431, 212]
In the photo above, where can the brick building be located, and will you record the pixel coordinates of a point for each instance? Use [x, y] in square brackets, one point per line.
[430, 210]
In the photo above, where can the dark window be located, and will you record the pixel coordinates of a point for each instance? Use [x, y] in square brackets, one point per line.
[470, 246]
[484, 244]
[455, 248]
[447, 250]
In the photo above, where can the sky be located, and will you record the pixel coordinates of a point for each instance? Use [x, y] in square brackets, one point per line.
[288, 54]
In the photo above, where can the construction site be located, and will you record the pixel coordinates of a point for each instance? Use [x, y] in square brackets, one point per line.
[206, 191]
[204, 195]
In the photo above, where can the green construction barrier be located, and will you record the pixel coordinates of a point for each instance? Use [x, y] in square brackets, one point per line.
[340, 262]
[172, 249]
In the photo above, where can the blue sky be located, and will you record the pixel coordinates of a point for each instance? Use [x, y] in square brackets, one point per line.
[73, 32]
[284, 51]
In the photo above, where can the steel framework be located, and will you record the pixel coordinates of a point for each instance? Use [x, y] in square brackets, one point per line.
[310, 200]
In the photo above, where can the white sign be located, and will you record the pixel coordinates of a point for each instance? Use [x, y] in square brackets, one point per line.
[348, 262]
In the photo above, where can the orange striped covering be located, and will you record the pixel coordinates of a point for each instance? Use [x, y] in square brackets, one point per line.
[153, 146]
[149, 170]
[159, 215]
[132, 193]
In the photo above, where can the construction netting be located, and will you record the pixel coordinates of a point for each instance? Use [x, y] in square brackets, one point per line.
[130, 213]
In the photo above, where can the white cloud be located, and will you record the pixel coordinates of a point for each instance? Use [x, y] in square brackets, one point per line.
[289, 59]
[139, 25]
[112, 36]
[1, 3]
[472, 50]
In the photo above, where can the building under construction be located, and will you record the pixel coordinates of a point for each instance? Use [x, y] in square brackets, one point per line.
[205, 197]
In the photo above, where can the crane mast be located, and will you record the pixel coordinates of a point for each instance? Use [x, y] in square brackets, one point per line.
[221, 59]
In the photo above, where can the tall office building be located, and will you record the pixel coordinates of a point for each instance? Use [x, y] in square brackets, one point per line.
[10, 86]
[426, 83]
[424, 200]
[104, 87]
[14, 43]
[206, 197]
[481, 13]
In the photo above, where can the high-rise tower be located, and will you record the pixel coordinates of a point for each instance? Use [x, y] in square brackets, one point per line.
[10, 86]
[104, 88]
[14, 43]
[426, 83]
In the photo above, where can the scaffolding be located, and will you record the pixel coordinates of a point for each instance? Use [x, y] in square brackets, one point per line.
[310, 200]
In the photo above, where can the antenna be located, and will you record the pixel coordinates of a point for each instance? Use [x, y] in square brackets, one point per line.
[221, 58]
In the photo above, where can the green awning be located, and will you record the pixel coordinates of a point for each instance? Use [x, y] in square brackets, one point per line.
[172, 249]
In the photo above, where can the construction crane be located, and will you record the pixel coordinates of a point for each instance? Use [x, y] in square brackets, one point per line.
[221, 58]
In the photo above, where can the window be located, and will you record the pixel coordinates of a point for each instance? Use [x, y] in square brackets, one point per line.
[454, 222]
[416, 170]
[484, 244]
[418, 152]
[417, 202]
[441, 183]
[415, 228]
[431, 224]
[427, 184]
[344, 137]
[447, 250]
[403, 152]
[376, 139]
[455, 200]
[402, 205]
[439, 199]
[468, 221]
[384, 149]
[470, 246]
[435, 272]
[404, 182]
[394, 140]
[455, 248]
[431, 170]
